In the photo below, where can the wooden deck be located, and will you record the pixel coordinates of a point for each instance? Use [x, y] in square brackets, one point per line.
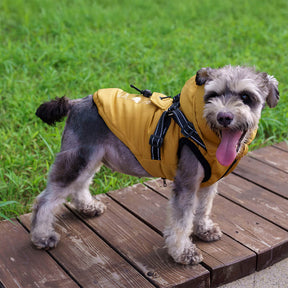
[124, 246]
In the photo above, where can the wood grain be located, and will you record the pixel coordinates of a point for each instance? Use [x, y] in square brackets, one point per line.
[23, 266]
[144, 248]
[90, 260]
[282, 146]
[256, 199]
[220, 256]
[158, 186]
[143, 202]
[272, 156]
[267, 240]
[264, 175]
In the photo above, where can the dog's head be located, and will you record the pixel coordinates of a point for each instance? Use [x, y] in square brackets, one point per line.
[234, 98]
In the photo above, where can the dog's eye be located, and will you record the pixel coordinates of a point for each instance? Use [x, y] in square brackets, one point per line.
[245, 98]
[211, 95]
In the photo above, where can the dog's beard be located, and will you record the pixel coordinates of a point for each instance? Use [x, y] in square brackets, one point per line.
[232, 134]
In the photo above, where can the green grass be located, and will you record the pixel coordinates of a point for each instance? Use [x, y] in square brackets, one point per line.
[51, 48]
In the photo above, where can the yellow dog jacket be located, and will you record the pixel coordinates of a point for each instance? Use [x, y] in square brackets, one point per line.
[133, 119]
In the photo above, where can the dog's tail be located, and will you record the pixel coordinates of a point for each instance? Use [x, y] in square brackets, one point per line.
[54, 110]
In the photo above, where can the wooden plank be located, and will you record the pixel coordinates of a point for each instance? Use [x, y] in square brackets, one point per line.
[143, 247]
[256, 199]
[272, 156]
[267, 240]
[283, 146]
[23, 266]
[264, 238]
[144, 203]
[264, 175]
[158, 186]
[88, 258]
[233, 261]
[220, 257]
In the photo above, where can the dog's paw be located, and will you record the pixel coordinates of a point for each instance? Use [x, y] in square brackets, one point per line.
[46, 241]
[190, 255]
[209, 233]
[93, 208]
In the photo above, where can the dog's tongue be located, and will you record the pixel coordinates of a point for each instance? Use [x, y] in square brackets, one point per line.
[227, 150]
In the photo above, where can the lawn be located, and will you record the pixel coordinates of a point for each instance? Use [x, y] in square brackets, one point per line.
[53, 48]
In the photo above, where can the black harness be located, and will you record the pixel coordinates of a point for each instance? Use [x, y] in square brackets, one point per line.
[187, 128]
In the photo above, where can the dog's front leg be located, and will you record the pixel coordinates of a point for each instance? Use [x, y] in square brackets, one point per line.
[204, 227]
[181, 210]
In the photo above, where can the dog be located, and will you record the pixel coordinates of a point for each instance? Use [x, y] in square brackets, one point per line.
[233, 98]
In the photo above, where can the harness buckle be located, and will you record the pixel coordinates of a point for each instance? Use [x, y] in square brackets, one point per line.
[156, 141]
[174, 106]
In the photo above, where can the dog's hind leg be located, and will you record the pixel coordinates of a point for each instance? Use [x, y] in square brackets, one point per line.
[204, 227]
[82, 199]
[181, 210]
[71, 169]
[84, 202]
[43, 235]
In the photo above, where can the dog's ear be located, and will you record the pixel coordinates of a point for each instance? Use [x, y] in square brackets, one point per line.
[273, 93]
[203, 75]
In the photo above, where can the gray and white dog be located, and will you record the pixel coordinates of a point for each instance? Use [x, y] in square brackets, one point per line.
[239, 93]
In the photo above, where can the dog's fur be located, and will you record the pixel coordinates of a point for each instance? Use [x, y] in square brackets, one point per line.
[87, 143]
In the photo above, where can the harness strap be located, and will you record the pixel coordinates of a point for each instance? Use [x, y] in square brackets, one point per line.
[187, 128]
[156, 139]
[205, 164]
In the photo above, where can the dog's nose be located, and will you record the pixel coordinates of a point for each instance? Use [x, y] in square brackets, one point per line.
[225, 118]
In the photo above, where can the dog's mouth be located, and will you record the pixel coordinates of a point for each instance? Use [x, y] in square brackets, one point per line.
[229, 146]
